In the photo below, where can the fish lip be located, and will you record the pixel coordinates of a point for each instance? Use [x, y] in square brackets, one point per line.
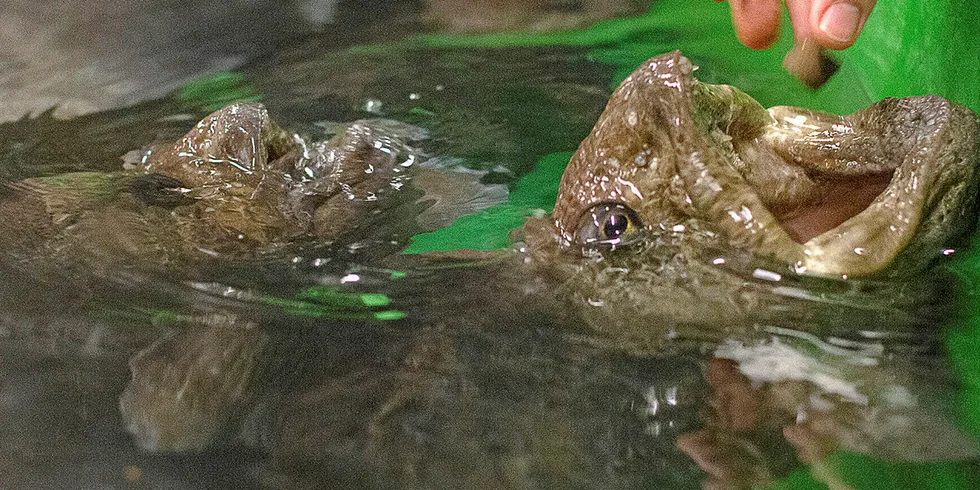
[838, 201]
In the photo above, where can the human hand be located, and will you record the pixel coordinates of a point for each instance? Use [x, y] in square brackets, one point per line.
[832, 24]
[739, 447]
[817, 24]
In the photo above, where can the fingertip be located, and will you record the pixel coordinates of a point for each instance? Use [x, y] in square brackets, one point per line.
[756, 22]
[756, 40]
[837, 24]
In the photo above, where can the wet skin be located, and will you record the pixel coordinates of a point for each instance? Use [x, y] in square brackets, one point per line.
[257, 184]
[236, 184]
[669, 151]
[836, 195]
[676, 173]
[244, 185]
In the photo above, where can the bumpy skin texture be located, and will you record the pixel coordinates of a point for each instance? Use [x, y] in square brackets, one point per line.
[254, 183]
[245, 186]
[234, 185]
[230, 162]
[785, 182]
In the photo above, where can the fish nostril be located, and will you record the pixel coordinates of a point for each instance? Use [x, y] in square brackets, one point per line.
[158, 190]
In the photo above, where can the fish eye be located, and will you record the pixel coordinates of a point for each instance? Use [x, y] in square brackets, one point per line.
[607, 223]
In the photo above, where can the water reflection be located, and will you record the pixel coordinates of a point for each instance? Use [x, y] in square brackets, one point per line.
[340, 363]
[82, 57]
[436, 401]
[760, 431]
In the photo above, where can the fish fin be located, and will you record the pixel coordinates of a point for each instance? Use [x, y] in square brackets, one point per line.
[452, 194]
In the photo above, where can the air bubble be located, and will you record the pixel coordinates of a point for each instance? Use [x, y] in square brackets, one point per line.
[373, 106]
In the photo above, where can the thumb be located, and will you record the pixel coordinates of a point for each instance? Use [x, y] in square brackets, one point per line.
[835, 24]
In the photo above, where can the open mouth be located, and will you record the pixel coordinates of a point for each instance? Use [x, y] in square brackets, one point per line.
[834, 202]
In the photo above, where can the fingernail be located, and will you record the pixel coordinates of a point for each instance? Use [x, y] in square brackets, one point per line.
[840, 22]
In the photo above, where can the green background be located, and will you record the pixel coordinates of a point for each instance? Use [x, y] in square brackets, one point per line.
[908, 47]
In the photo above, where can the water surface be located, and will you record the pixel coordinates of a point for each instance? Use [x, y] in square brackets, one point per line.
[366, 368]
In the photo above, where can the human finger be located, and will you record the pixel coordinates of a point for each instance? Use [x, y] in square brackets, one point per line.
[756, 21]
[799, 17]
[836, 24]
[807, 61]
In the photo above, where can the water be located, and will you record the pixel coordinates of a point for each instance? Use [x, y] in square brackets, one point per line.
[342, 363]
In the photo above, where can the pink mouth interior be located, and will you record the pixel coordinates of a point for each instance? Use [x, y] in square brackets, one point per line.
[836, 202]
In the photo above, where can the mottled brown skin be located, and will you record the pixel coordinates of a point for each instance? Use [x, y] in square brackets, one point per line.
[837, 195]
[234, 185]
[246, 186]
[705, 151]
[256, 184]
[234, 167]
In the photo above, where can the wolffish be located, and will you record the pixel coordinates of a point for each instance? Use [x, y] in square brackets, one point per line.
[234, 185]
[888, 187]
